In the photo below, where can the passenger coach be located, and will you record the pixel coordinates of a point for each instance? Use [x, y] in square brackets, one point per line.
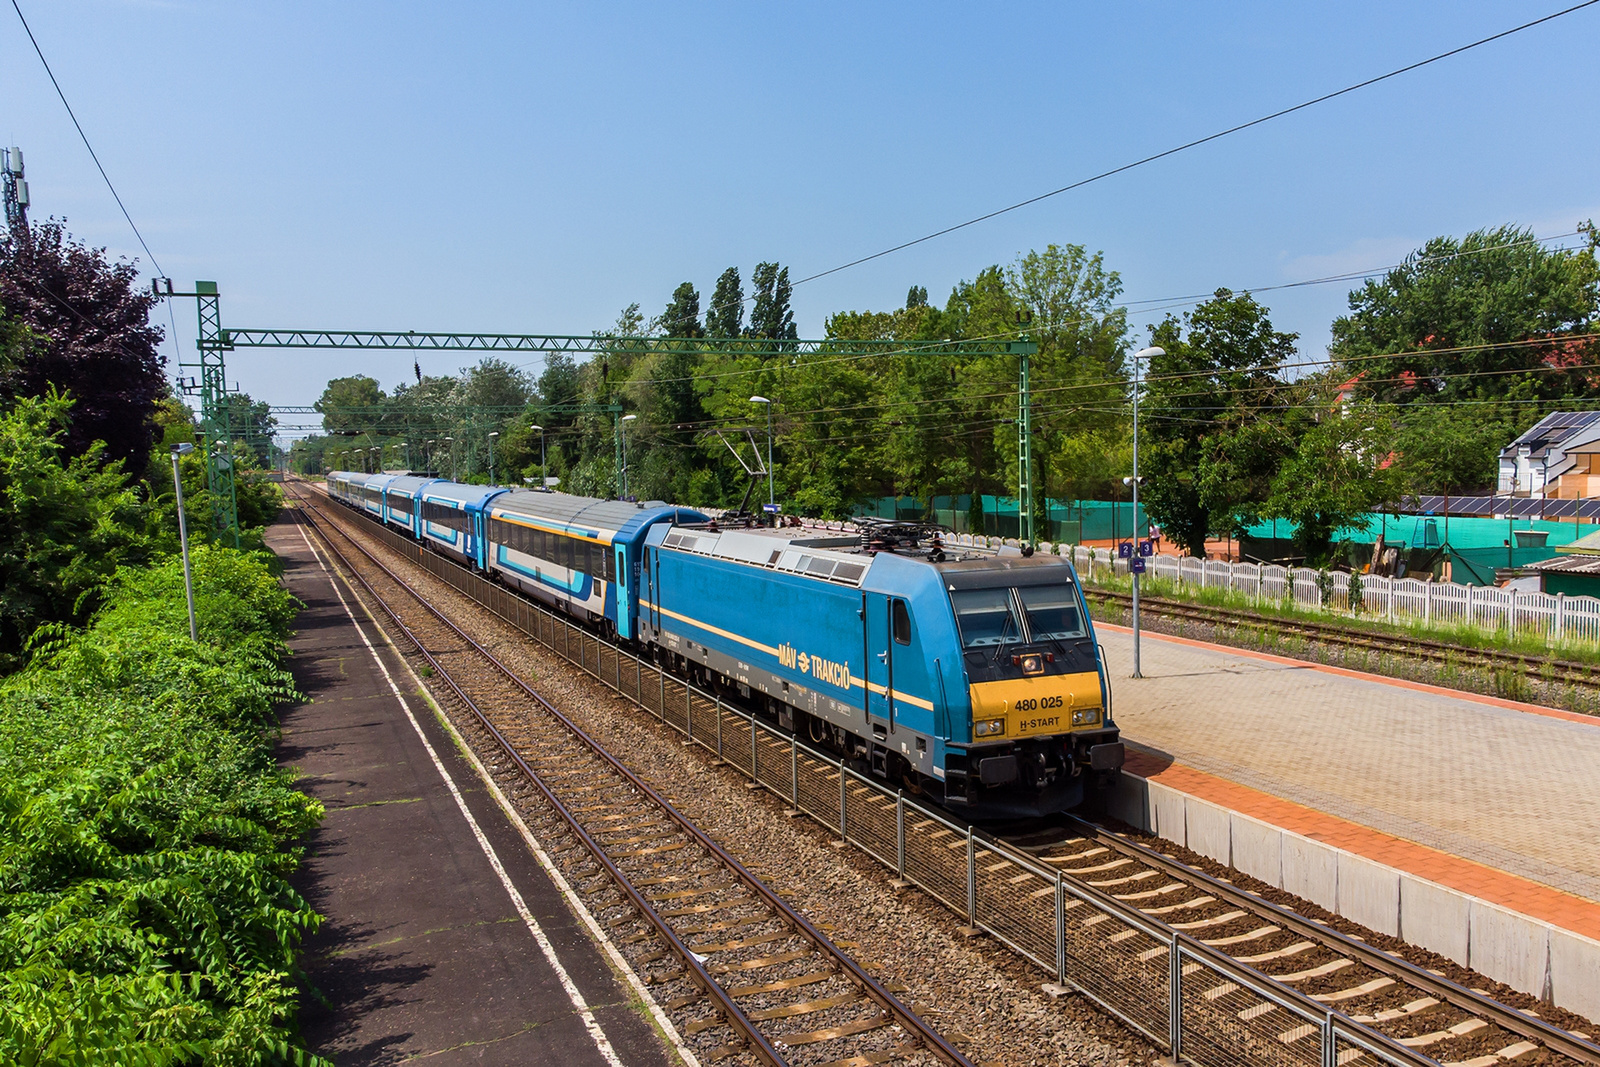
[578, 553]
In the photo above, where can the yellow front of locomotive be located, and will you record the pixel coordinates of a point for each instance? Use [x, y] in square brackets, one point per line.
[1040, 714]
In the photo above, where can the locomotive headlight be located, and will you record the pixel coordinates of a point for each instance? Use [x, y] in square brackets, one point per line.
[1086, 717]
[989, 728]
[1030, 662]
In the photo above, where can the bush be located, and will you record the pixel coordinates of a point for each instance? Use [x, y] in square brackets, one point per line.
[146, 834]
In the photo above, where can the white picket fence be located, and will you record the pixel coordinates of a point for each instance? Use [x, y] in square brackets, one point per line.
[1553, 616]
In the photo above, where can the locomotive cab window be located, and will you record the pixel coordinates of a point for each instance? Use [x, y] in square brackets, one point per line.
[901, 621]
[986, 617]
[1053, 613]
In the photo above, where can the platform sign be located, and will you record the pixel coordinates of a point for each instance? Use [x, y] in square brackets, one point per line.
[770, 509]
[1137, 565]
[1147, 548]
[1125, 551]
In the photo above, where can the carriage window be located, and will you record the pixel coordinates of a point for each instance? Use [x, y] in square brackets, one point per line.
[902, 622]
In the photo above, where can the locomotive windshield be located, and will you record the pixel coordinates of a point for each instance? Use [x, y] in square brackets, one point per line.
[989, 617]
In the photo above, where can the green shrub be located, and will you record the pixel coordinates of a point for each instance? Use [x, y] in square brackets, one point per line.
[146, 834]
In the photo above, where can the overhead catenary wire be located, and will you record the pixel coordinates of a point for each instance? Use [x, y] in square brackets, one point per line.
[1197, 142]
[92, 154]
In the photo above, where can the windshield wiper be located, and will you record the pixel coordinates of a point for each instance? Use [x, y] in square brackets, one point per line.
[1000, 646]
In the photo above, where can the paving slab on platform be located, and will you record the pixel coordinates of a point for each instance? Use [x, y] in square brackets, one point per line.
[425, 952]
[1480, 779]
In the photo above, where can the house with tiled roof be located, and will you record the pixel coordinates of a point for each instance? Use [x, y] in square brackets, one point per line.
[1559, 458]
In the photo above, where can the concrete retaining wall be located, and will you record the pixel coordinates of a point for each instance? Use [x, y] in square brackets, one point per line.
[1561, 967]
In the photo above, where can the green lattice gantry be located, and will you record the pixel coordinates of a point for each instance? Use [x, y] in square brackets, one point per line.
[214, 340]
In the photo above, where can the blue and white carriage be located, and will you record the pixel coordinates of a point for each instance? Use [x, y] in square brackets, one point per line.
[402, 502]
[452, 519]
[575, 552]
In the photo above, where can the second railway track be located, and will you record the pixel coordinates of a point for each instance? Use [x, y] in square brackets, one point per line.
[1547, 669]
[767, 985]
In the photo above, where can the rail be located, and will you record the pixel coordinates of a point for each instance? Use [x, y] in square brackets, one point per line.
[694, 964]
[1190, 999]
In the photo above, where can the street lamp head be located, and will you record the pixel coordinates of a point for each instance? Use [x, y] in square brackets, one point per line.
[494, 433]
[539, 428]
[759, 400]
[629, 418]
[1149, 353]
[182, 449]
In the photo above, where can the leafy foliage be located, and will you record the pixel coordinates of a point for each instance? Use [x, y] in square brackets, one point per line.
[66, 523]
[1339, 471]
[1215, 426]
[146, 834]
[1495, 287]
[91, 338]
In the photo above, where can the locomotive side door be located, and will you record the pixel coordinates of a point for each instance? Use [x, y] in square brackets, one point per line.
[879, 670]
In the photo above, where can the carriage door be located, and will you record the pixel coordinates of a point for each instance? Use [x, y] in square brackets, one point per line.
[879, 671]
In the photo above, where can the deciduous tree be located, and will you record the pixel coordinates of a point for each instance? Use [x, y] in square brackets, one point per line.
[682, 317]
[91, 339]
[771, 316]
[1449, 324]
[1207, 401]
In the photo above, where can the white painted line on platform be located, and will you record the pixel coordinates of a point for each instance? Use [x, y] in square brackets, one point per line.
[601, 1041]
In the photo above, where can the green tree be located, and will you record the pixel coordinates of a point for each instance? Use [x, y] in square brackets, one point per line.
[725, 314]
[1414, 335]
[91, 339]
[253, 422]
[1340, 470]
[771, 317]
[66, 522]
[682, 317]
[350, 405]
[1214, 389]
[1443, 449]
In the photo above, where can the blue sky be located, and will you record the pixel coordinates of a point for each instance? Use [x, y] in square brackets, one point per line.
[537, 167]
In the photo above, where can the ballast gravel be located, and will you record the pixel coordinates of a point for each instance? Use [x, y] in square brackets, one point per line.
[974, 991]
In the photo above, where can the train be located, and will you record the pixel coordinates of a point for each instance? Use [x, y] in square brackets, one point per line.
[970, 676]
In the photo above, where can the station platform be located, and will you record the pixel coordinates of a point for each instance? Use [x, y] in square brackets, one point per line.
[1462, 823]
[445, 937]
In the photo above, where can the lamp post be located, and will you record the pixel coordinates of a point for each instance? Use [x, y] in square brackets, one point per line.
[544, 473]
[183, 534]
[772, 493]
[1142, 354]
[492, 435]
[625, 420]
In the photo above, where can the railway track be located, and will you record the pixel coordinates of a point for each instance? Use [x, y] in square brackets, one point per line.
[759, 982]
[1418, 1008]
[1421, 1014]
[1541, 668]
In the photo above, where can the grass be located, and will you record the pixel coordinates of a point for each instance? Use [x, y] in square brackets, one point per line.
[1403, 628]
[1459, 672]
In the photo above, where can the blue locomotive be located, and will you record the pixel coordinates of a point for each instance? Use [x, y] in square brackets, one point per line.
[968, 674]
